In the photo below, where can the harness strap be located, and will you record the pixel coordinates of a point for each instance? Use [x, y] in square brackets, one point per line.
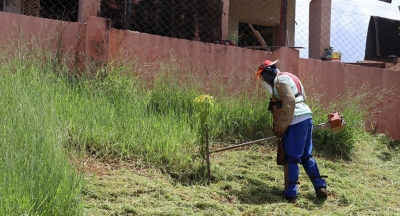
[277, 102]
[295, 80]
[323, 176]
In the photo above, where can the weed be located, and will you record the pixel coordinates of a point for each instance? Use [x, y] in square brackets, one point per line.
[49, 115]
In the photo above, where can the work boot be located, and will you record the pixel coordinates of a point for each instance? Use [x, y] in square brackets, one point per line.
[287, 198]
[321, 192]
[290, 199]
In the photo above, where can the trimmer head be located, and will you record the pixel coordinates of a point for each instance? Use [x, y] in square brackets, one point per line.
[337, 122]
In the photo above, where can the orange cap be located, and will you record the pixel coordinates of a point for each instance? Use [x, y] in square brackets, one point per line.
[264, 64]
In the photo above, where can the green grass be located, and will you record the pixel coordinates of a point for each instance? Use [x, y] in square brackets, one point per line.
[107, 144]
[36, 176]
[244, 183]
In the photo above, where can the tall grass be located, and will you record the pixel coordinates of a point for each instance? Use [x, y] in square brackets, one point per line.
[48, 113]
[358, 106]
[119, 117]
[116, 116]
[36, 177]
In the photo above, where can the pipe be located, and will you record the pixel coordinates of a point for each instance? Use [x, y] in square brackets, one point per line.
[321, 126]
[208, 152]
[326, 125]
[244, 144]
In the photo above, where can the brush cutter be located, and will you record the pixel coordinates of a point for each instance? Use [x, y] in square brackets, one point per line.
[335, 124]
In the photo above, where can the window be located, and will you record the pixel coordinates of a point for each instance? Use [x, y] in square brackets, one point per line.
[31, 7]
[60, 10]
[247, 37]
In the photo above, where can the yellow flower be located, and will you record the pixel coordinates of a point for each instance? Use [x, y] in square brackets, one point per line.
[206, 99]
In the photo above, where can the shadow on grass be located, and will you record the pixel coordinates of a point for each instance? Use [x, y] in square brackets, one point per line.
[252, 191]
[258, 194]
[393, 145]
[385, 156]
[317, 201]
[333, 154]
[255, 192]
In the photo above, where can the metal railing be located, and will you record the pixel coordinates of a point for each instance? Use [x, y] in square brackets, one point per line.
[252, 24]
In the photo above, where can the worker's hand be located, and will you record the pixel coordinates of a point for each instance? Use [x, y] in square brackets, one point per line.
[277, 130]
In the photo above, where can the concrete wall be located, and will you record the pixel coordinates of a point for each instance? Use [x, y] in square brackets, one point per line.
[65, 36]
[84, 44]
[334, 79]
[95, 43]
[200, 57]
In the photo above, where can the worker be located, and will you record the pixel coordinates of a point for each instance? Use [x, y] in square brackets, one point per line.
[293, 124]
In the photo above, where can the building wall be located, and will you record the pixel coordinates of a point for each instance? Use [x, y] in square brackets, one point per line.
[291, 23]
[13, 6]
[320, 27]
[266, 14]
[94, 42]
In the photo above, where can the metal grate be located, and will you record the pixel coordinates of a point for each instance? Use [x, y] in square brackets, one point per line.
[31, 7]
[59, 10]
[243, 23]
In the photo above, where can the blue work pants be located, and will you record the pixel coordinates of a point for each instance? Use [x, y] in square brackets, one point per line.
[297, 143]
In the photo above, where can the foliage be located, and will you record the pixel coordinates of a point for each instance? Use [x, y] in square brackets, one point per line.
[203, 106]
[36, 176]
[235, 37]
[329, 48]
[240, 119]
[51, 116]
[358, 107]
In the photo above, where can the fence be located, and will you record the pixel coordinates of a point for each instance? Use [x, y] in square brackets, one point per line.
[252, 24]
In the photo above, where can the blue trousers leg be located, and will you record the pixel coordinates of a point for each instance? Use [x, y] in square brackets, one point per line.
[311, 168]
[293, 175]
[297, 143]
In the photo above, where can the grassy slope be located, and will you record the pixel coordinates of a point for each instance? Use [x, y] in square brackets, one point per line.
[107, 117]
[244, 181]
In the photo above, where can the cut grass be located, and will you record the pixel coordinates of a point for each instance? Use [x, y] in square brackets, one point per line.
[244, 183]
[141, 134]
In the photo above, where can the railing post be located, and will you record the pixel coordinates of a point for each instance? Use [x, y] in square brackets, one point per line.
[88, 8]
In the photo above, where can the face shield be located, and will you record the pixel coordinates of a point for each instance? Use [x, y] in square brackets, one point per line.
[267, 71]
[267, 87]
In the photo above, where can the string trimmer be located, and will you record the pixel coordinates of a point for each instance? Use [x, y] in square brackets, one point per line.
[335, 124]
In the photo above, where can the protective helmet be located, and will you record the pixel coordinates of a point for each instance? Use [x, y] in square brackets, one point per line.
[268, 71]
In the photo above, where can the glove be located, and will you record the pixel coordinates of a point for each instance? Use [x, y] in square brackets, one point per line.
[271, 105]
[278, 131]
